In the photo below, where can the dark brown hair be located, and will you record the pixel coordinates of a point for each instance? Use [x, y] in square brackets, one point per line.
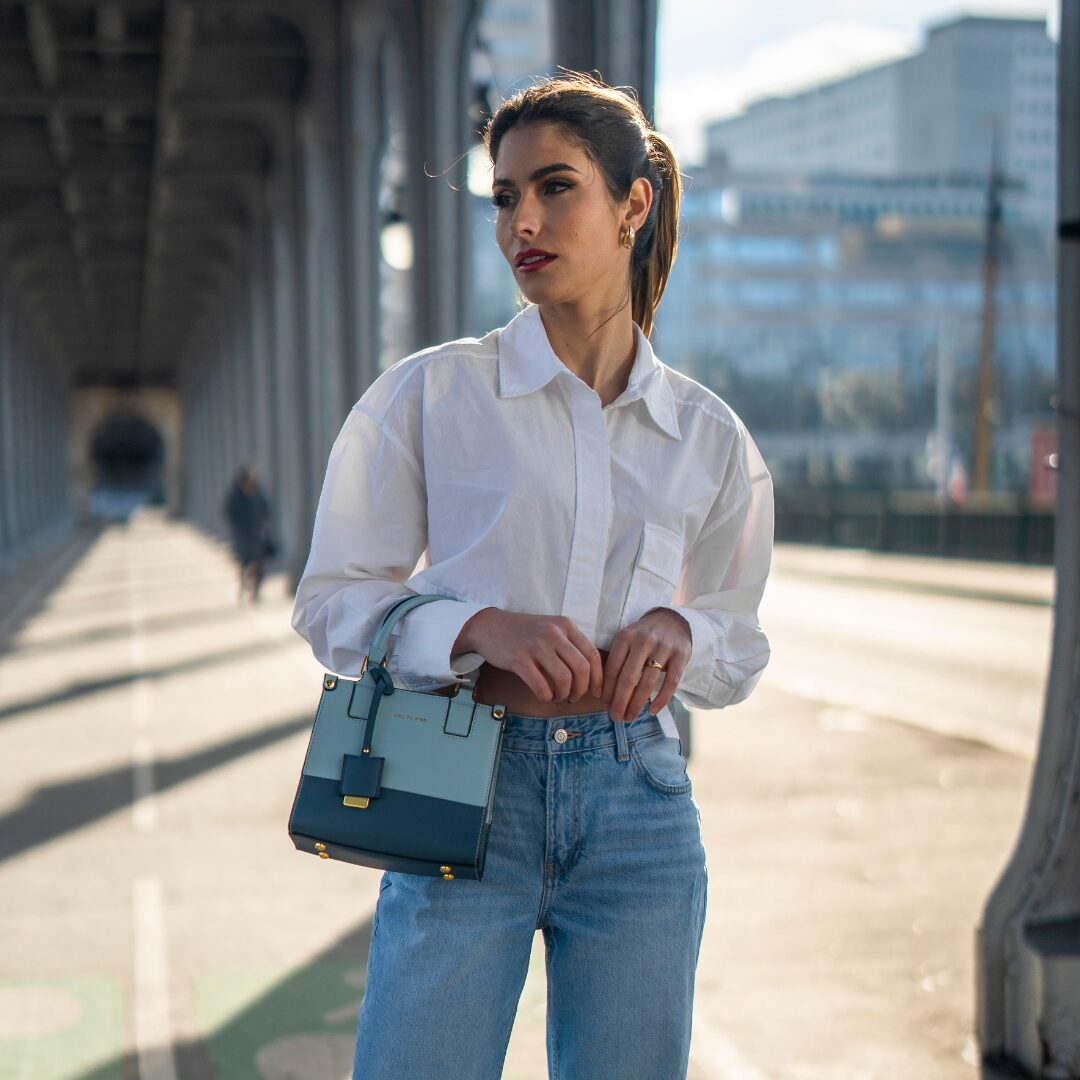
[609, 125]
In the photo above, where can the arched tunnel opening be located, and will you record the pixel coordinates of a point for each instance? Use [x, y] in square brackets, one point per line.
[128, 458]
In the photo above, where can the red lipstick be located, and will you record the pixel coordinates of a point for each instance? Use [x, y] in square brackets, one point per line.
[537, 259]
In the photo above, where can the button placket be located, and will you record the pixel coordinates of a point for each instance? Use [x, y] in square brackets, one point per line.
[592, 509]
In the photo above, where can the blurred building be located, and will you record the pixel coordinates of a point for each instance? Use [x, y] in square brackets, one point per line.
[931, 114]
[829, 281]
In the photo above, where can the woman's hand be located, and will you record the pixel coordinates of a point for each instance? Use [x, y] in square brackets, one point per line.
[547, 652]
[662, 635]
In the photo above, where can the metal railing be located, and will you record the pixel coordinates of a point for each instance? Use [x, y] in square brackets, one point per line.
[1005, 528]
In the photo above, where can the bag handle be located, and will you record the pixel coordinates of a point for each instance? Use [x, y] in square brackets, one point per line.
[379, 645]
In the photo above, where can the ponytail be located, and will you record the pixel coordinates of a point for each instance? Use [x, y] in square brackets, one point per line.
[654, 253]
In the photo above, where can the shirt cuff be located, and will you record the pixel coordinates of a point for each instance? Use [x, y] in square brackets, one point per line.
[700, 671]
[422, 647]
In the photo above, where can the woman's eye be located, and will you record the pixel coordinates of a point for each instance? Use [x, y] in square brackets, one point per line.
[499, 199]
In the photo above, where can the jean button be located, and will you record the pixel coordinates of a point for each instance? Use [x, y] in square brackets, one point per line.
[560, 735]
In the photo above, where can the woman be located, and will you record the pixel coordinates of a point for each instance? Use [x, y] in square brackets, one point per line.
[247, 511]
[602, 528]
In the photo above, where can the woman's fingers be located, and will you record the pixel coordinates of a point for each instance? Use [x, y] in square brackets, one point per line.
[588, 667]
[636, 683]
[628, 682]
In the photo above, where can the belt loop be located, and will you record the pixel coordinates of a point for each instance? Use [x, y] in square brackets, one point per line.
[620, 741]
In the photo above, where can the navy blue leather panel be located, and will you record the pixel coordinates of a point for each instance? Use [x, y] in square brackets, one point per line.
[360, 774]
[398, 863]
[412, 826]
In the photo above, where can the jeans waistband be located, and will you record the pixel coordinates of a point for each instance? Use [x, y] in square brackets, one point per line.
[585, 731]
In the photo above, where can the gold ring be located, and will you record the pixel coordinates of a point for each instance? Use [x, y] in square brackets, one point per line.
[655, 664]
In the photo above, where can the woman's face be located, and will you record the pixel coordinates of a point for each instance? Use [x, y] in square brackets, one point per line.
[551, 198]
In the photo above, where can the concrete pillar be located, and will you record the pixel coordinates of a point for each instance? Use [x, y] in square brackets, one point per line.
[319, 142]
[616, 38]
[369, 35]
[18, 396]
[1028, 942]
[261, 352]
[8, 509]
[436, 50]
[298, 492]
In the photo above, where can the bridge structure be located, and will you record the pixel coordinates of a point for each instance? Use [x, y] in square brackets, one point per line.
[194, 196]
[192, 199]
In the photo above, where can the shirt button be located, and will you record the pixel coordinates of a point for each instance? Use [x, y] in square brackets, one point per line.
[560, 735]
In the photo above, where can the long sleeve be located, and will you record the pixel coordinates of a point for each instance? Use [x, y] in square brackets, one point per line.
[369, 533]
[721, 585]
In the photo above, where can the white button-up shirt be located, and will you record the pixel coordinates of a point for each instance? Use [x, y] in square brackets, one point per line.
[485, 471]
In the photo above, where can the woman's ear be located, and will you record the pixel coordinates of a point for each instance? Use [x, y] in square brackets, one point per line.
[638, 204]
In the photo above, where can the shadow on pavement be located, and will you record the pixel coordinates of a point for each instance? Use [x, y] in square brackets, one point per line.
[98, 635]
[25, 589]
[111, 682]
[57, 809]
[300, 1026]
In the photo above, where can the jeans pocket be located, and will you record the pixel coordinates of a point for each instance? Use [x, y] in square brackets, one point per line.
[660, 761]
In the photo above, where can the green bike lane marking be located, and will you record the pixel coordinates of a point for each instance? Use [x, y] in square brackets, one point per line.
[60, 1027]
[269, 1024]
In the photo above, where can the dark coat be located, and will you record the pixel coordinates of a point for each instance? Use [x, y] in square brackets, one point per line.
[249, 522]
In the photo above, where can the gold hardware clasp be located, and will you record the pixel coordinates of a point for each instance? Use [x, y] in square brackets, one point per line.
[360, 802]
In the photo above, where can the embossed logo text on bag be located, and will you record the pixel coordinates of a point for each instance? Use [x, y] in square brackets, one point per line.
[411, 716]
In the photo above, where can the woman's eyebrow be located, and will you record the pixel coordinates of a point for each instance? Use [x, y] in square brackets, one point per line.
[541, 172]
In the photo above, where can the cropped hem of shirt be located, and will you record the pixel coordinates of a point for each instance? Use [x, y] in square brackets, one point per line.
[486, 472]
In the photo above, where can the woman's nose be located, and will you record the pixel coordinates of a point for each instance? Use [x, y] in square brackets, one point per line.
[525, 219]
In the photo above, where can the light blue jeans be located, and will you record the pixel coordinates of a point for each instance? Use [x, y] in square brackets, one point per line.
[595, 840]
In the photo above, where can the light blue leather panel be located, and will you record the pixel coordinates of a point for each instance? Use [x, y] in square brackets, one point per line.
[421, 757]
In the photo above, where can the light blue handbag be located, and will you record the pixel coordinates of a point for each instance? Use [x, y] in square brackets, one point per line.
[399, 779]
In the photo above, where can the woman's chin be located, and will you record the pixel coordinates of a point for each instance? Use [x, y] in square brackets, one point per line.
[537, 292]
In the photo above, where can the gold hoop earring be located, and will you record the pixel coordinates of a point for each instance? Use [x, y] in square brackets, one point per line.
[628, 237]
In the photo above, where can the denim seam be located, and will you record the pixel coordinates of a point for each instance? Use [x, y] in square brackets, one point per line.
[551, 1025]
[630, 739]
[562, 752]
[548, 887]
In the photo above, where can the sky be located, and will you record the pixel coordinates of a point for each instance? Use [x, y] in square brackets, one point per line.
[715, 56]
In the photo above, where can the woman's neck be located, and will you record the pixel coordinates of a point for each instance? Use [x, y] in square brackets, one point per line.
[602, 356]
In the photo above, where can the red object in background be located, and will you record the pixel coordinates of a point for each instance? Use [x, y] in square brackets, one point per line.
[1042, 483]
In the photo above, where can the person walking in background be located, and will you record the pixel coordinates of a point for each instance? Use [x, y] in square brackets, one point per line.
[601, 527]
[247, 511]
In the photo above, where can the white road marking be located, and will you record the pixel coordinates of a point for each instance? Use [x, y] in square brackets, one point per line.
[153, 1030]
[714, 1054]
[143, 805]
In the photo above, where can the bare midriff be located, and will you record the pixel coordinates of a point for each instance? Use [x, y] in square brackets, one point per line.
[497, 686]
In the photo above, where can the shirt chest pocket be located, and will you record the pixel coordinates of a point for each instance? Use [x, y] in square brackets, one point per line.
[656, 571]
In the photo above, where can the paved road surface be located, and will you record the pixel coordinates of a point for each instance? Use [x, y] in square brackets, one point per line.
[158, 924]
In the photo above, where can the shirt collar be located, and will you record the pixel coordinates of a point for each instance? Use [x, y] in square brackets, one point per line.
[527, 362]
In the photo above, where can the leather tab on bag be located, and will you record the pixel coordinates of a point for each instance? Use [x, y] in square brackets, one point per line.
[361, 775]
[459, 717]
